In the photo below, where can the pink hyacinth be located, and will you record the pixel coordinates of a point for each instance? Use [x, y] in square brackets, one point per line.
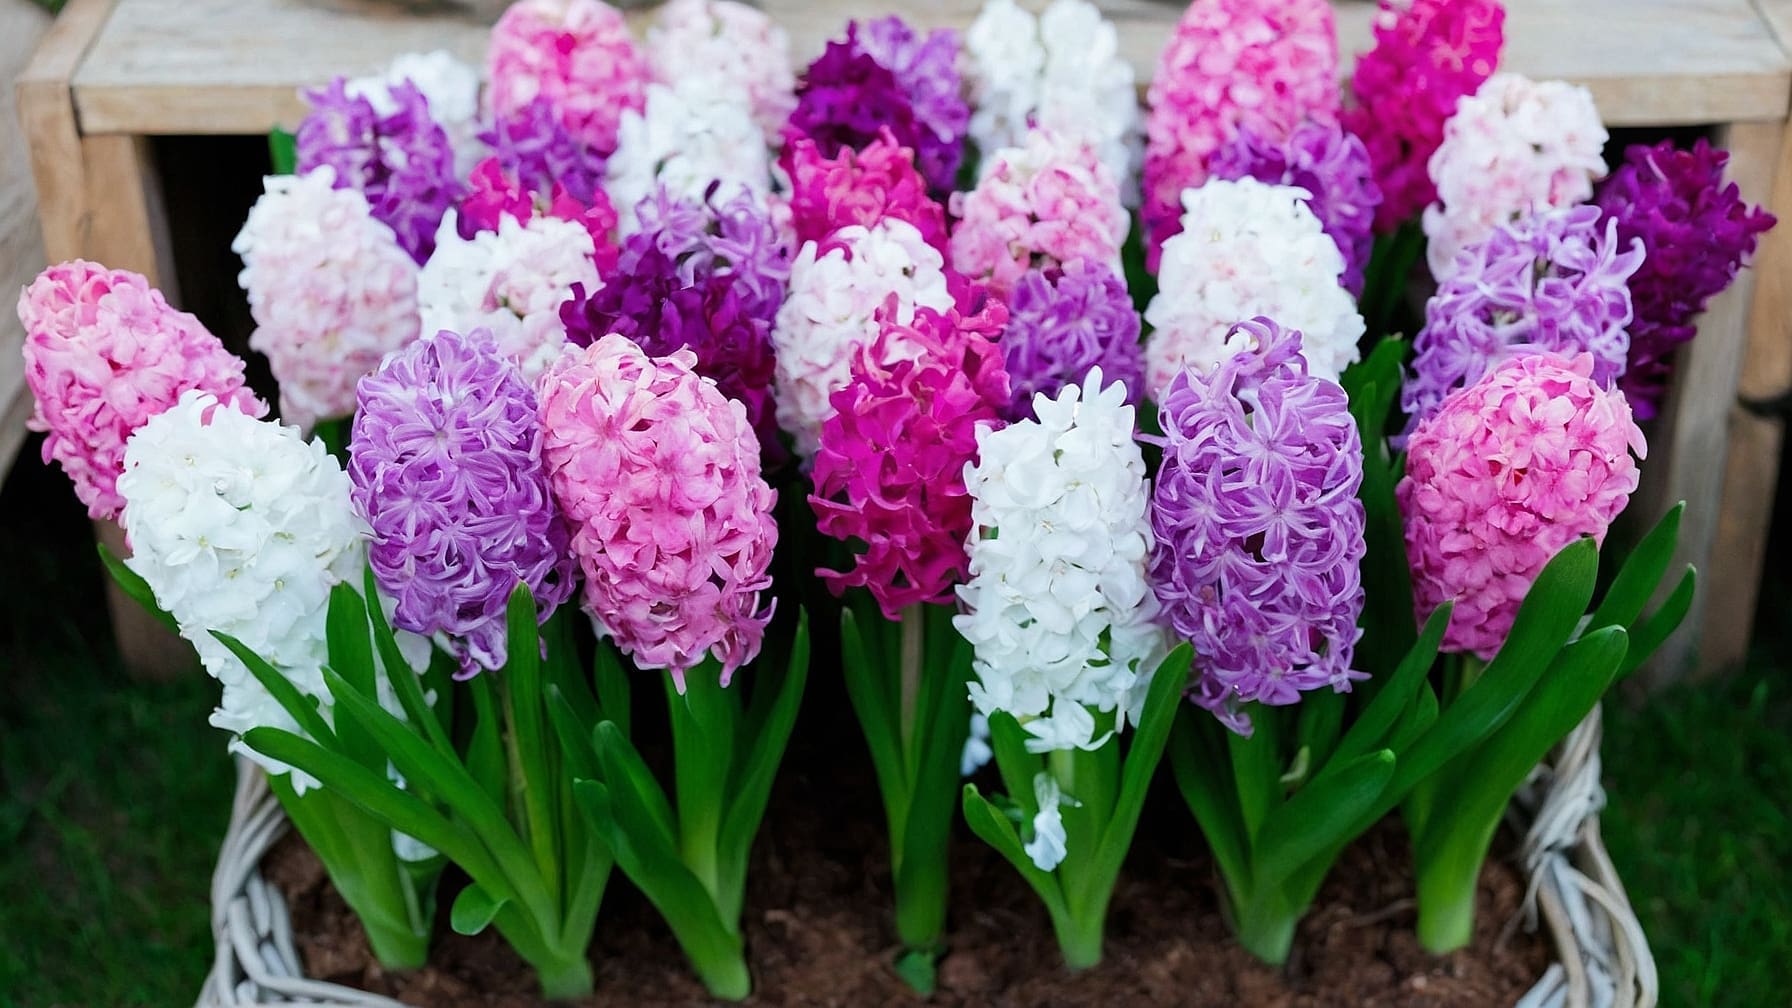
[493, 193]
[1508, 472]
[890, 469]
[104, 352]
[575, 53]
[859, 187]
[1044, 205]
[658, 474]
[1265, 64]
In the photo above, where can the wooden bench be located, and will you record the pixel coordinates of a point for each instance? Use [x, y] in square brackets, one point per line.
[114, 72]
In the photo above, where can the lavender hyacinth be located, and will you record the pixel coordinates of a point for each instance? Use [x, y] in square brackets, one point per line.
[1062, 323]
[446, 466]
[1327, 162]
[403, 161]
[1259, 532]
[926, 68]
[533, 146]
[736, 239]
[1554, 281]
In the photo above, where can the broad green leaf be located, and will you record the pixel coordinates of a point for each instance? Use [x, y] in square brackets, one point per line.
[575, 737]
[635, 794]
[1319, 816]
[485, 759]
[473, 910]
[303, 709]
[351, 656]
[1147, 748]
[135, 587]
[1017, 766]
[1377, 719]
[994, 829]
[746, 807]
[283, 151]
[410, 692]
[1257, 768]
[531, 748]
[877, 718]
[1641, 574]
[1649, 633]
[1317, 725]
[614, 693]
[1204, 776]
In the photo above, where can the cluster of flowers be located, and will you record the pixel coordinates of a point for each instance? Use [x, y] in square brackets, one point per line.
[582, 322]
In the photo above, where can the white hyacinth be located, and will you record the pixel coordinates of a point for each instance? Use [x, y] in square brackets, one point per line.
[726, 47]
[1513, 147]
[830, 312]
[449, 86]
[511, 281]
[1248, 249]
[1061, 71]
[1049, 843]
[1058, 612]
[686, 139]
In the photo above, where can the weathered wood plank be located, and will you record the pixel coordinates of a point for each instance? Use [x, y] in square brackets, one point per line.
[234, 66]
[21, 245]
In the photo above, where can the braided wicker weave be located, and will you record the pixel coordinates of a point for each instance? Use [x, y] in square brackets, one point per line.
[1603, 959]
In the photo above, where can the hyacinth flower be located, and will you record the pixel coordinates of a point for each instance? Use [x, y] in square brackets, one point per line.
[860, 188]
[725, 46]
[657, 473]
[1061, 623]
[244, 540]
[494, 193]
[696, 142]
[1063, 324]
[889, 474]
[577, 58]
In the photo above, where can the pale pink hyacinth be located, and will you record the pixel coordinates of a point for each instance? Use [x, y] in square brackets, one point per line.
[104, 352]
[658, 473]
[729, 47]
[511, 281]
[1265, 64]
[330, 289]
[1513, 147]
[1048, 203]
[1508, 472]
[575, 53]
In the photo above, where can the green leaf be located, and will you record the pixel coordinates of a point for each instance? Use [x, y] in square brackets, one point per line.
[575, 737]
[1148, 740]
[283, 151]
[1649, 634]
[877, 718]
[1320, 719]
[1637, 580]
[398, 673]
[135, 587]
[303, 709]
[473, 910]
[1204, 776]
[635, 794]
[351, 656]
[485, 760]
[1320, 816]
[1372, 385]
[1377, 719]
[614, 693]
[746, 808]
[1257, 768]
[994, 829]
[1017, 766]
[536, 771]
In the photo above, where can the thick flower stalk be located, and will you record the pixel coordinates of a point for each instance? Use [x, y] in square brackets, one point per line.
[1514, 147]
[1045, 204]
[535, 147]
[858, 187]
[1553, 282]
[725, 47]
[1428, 55]
[1259, 531]
[330, 289]
[1064, 324]
[578, 55]
[1697, 234]
[1248, 249]
[493, 193]
[446, 466]
[104, 352]
[837, 289]
[1332, 166]
[395, 153]
[511, 281]
[890, 467]
[1261, 64]
[1061, 71]
[1057, 608]
[695, 143]
[1505, 474]
[658, 473]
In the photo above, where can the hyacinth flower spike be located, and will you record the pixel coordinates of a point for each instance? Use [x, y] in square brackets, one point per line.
[1059, 615]
[658, 473]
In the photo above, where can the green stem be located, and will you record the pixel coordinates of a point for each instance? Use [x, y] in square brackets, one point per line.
[914, 619]
[1079, 937]
[1265, 926]
[530, 798]
[396, 948]
[700, 768]
[563, 975]
[1446, 907]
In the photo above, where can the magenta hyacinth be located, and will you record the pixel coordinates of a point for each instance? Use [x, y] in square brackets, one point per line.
[859, 187]
[1428, 54]
[658, 473]
[1062, 323]
[1259, 531]
[926, 69]
[104, 352]
[1697, 234]
[890, 468]
[494, 193]
[1508, 472]
[576, 54]
[736, 238]
[445, 461]
[1551, 282]
[402, 162]
[1330, 164]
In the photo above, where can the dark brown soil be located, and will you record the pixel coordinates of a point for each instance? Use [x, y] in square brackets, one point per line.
[819, 934]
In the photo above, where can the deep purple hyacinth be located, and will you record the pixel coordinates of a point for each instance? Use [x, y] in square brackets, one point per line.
[445, 460]
[736, 239]
[1258, 528]
[1063, 322]
[1554, 281]
[1697, 234]
[533, 146]
[846, 97]
[926, 68]
[1326, 161]
[402, 161]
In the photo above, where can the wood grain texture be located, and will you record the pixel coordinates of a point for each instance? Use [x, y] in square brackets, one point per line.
[234, 66]
[22, 23]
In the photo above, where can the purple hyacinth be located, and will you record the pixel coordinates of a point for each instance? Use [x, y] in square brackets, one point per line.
[926, 68]
[1063, 322]
[1326, 161]
[847, 96]
[533, 146]
[446, 466]
[1259, 532]
[736, 239]
[1697, 233]
[1553, 281]
[402, 161]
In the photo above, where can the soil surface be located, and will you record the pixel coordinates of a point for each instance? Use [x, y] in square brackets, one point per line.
[819, 934]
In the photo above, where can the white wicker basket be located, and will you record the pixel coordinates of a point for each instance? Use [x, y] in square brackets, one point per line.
[1603, 958]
